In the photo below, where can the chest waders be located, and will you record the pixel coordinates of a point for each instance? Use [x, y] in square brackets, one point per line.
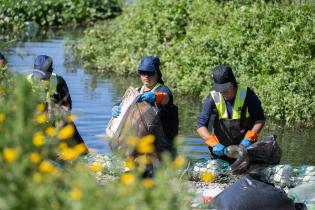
[230, 130]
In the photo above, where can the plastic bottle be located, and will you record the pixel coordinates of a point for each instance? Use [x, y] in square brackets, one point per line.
[304, 193]
[233, 151]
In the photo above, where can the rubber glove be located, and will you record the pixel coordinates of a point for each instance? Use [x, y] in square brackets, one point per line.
[148, 97]
[116, 111]
[246, 143]
[219, 149]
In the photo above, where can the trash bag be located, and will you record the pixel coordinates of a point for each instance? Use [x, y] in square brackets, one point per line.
[138, 119]
[250, 193]
[264, 152]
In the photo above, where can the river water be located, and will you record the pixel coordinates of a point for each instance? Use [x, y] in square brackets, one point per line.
[94, 94]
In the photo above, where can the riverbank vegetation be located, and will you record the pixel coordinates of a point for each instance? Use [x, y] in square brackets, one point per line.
[21, 14]
[269, 44]
[32, 177]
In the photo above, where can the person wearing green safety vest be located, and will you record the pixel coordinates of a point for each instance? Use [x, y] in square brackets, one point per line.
[231, 115]
[52, 88]
[48, 84]
[156, 93]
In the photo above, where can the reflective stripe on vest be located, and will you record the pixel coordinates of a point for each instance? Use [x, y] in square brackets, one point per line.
[153, 89]
[52, 86]
[238, 103]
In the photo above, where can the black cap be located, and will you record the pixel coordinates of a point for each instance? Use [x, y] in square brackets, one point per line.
[223, 77]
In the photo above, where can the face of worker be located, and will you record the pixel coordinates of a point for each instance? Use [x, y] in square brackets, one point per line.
[230, 93]
[149, 79]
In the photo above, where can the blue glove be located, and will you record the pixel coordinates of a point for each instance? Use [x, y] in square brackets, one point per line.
[147, 96]
[219, 149]
[116, 111]
[246, 143]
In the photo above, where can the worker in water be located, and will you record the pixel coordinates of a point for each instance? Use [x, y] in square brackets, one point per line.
[232, 114]
[51, 87]
[3, 61]
[157, 94]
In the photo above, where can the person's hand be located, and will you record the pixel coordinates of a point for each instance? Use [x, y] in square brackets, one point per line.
[246, 143]
[147, 96]
[219, 149]
[116, 111]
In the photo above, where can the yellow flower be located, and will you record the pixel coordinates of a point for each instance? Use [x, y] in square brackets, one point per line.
[127, 179]
[179, 162]
[2, 117]
[75, 193]
[35, 157]
[10, 155]
[41, 118]
[37, 177]
[130, 163]
[148, 139]
[46, 167]
[207, 177]
[132, 140]
[143, 160]
[80, 148]
[69, 154]
[50, 131]
[145, 145]
[38, 139]
[95, 167]
[63, 146]
[66, 132]
[40, 107]
[148, 183]
[70, 118]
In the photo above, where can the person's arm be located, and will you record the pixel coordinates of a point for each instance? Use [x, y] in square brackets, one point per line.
[63, 98]
[202, 124]
[256, 113]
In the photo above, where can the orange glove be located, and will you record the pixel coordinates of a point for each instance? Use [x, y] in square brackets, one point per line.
[251, 135]
[212, 140]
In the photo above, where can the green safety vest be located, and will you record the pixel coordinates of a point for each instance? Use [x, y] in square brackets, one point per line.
[153, 89]
[51, 84]
[238, 103]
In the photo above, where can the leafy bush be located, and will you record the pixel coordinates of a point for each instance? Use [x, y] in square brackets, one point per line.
[270, 46]
[16, 14]
[31, 178]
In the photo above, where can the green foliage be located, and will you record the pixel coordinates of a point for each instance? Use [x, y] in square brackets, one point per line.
[269, 44]
[17, 14]
[34, 182]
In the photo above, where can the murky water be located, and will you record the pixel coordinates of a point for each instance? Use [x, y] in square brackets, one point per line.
[94, 95]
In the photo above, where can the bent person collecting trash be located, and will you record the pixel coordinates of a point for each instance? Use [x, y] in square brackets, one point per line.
[159, 97]
[231, 115]
[52, 89]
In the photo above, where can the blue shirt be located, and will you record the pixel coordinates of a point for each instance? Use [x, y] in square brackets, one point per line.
[252, 102]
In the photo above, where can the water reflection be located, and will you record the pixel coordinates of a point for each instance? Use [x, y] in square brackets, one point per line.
[94, 94]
